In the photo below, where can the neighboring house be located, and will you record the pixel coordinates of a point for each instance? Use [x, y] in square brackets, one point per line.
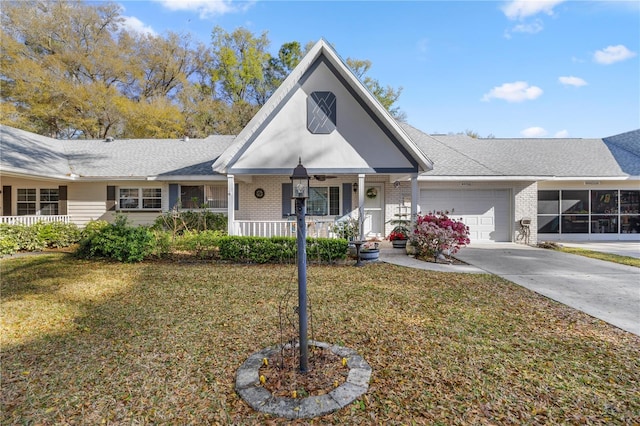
[360, 160]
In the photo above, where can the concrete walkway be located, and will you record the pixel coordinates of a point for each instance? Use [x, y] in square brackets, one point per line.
[605, 290]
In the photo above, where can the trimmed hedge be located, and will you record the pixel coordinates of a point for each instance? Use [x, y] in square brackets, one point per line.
[279, 249]
[203, 244]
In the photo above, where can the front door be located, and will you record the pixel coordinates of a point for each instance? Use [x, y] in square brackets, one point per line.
[374, 210]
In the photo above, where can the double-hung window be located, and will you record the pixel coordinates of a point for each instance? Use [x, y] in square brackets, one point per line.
[140, 198]
[49, 201]
[32, 201]
[26, 203]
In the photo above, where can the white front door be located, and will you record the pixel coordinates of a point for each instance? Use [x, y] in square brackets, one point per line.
[374, 210]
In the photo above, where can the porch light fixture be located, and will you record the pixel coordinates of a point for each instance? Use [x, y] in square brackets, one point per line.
[300, 180]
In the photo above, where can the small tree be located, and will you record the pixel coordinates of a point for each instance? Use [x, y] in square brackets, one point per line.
[436, 233]
[347, 228]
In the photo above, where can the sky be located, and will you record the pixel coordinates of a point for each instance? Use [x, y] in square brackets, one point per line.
[507, 69]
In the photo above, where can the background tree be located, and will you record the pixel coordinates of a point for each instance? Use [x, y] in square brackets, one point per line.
[386, 95]
[473, 134]
[71, 69]
[52, 63]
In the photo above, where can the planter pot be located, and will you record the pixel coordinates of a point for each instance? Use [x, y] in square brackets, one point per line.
[369, 254]
[399, 243]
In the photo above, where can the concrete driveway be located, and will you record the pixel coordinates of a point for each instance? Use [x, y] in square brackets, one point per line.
[605, 290]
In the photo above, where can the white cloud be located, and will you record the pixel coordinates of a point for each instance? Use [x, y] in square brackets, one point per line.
[206, 8]
[517, 91]
[611, 54]
[561, 134]
[135, 25]
[520, 9]
[572, 81]
[531, 28]
[534, 132]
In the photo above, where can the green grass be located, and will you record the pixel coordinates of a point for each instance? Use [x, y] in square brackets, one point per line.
[88, 342]
[623, 260]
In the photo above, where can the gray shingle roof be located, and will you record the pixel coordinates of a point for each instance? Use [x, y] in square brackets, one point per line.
[122, 158]
[453, 155]
[625, 148]
[26, 152]
[461, 155]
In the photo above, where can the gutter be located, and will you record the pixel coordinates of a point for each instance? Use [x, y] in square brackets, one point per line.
[423, 178]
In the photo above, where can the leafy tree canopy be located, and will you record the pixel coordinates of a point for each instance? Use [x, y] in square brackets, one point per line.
[71, 69]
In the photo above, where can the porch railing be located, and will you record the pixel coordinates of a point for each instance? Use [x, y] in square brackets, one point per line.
[317, 228]
[32, 220]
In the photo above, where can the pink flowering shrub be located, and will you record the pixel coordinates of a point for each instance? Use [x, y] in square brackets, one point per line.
[436, 233]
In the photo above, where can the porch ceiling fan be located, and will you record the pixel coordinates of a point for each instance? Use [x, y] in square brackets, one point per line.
[322, 178]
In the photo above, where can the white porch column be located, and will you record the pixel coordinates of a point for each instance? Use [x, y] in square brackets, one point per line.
[361, 205]
[415, 197]
[231, 208]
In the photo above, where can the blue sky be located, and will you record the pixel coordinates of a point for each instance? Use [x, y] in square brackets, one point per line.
[511, 69]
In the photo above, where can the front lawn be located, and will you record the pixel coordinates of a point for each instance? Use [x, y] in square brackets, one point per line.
[609, 257]
[86, 342]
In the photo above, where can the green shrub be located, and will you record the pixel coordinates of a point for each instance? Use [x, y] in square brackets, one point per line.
[162, 244]
[179, 222]
[8, 241]
[93, 227]
[26, 237]
[37, 237]
[118, 241]
[327, 249]
[57, 234]
[203, 244]
[279, 249]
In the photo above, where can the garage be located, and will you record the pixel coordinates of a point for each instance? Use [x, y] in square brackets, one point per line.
[485, 212]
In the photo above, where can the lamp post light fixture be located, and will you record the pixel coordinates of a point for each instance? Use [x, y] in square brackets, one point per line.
[300, 183]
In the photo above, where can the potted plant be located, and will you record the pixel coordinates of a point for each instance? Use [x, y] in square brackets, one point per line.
[369, 251]
[400, 233]
[399, 236]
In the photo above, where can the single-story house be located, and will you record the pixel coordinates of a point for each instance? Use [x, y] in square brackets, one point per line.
[361, 160]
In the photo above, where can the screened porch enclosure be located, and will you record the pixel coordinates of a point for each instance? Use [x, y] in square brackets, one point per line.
[601, 211]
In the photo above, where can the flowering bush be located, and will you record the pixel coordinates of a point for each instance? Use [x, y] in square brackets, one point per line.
[436, 233]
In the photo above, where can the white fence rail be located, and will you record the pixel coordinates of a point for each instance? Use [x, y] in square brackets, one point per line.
[32, 220]
[283, 228]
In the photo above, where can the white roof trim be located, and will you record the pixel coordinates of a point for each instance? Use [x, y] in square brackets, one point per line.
[231, 154]
[475, 178]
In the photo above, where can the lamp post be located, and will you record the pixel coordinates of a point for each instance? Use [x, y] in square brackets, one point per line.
[300, 184]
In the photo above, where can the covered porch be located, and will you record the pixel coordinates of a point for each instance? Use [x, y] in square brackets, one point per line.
[263, 206]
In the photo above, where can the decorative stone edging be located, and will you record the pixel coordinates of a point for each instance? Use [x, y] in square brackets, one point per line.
[260, 399]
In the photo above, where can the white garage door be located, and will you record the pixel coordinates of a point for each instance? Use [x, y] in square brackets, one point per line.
[486, 212]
